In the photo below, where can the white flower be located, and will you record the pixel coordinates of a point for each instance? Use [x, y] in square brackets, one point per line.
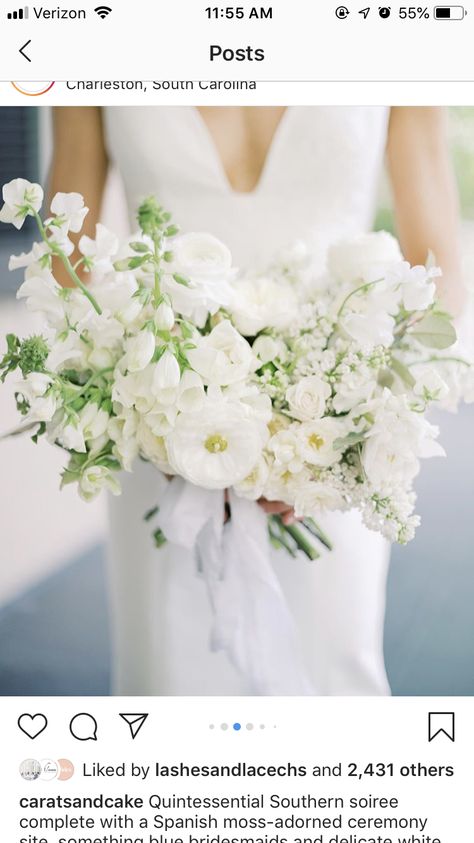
[152, 446]
[70, 436]
[167, 374]
[430, 386]
[417, 288]
[101, 250]
[70, 350]
[162, 419]
[263, 303]
[222, 357]
[268, 348]
[361, 258]
[70, 207]
[355, 388]
[314, 496]
[317, 441]
[121, 430]
[21, 199]
[286, 448]
[215, 447]
[139, 351]
[190, 393]
[370, 328]
[94, 479]
[93, 421]
[164, 317]
[35, 385]
[115, 293]
[252, 486]
[28, 258]
[43, 294]
[135, 389]
[307, 398]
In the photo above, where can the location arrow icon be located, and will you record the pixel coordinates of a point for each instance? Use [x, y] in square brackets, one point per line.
[365, 12]
[135, 722]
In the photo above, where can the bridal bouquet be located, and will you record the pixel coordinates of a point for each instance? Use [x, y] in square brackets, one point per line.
[284, 385]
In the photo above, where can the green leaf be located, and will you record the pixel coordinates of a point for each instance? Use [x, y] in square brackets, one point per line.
[344, 442]
[403, 372]
[434, 331]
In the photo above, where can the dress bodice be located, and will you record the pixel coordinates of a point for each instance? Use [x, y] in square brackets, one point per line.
[319, 181]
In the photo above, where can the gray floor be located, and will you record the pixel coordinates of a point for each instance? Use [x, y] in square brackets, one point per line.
[54, 639]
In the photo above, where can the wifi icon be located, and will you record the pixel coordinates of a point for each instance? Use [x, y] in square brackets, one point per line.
[103, 11]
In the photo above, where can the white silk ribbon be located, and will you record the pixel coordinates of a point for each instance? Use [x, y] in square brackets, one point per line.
[251, 620]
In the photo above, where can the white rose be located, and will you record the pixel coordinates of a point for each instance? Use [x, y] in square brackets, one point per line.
[263, 303]
[223, 357]
[317, 441]
[139, 351]
[94, 479]
[216, 447]
[359, 259]
[307, 399]
[21, 199]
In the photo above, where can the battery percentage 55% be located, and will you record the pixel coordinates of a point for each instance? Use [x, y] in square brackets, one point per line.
[413, 13]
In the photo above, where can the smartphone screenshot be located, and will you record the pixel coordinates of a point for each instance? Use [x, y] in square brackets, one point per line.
[236, 416]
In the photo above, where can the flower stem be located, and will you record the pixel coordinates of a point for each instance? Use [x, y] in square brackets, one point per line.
[56, 250]
[360, 289]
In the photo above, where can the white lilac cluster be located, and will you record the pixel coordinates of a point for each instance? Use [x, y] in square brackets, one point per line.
[307, 390]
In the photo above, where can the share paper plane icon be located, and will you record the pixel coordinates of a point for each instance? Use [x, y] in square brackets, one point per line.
[135, 722]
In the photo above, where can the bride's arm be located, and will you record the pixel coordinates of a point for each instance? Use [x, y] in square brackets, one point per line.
[79, 164]
[425, 195]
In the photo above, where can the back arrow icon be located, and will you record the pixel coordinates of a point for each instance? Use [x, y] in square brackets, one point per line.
[23, 48]
[365, 12]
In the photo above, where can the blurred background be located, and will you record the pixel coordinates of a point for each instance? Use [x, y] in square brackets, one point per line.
[53, 604]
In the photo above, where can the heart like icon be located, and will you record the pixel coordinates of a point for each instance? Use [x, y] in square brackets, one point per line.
[32, 724]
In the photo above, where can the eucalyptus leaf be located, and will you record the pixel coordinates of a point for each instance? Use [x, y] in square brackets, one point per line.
[344, 442]
[403, 372]
[434, 331]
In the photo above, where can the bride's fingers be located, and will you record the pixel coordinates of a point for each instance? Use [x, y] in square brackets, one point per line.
[274, 507]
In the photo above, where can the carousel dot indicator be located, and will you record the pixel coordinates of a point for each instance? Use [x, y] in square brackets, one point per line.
[236, 727]
[249, 727]
[224, 727]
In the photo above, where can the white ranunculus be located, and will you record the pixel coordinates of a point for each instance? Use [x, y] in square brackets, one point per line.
[317, 441]
[313, 497]
[70, 207]
[360, 258]
[223, 357]
[21, 199]
[261, 303]
[215, 447]
[167, 374]
[191, 392]
[96, 478]
[139, 351]
[307, 398]
[164, 317]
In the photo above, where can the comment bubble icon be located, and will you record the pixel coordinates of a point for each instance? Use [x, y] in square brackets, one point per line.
[83, 727]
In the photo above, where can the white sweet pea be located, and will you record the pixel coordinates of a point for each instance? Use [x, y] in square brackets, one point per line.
[215, 447]
[360, 258]
[22, 198]
[93, 421]
[417, 288]
[307, 399]
[70, 436]
[139, 351]
[94, 479]
[223, 357]
[261, 303]
[35, 385]
[28, 258]
[71, 209]
[167, 374]
[42, 409]
[370, 327]
[164, 317]
[101, 250]
[43, 294]
[430, 386]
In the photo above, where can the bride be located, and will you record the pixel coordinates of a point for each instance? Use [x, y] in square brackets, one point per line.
[259, 178]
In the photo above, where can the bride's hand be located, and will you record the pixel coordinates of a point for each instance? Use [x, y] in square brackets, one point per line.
[286, 513]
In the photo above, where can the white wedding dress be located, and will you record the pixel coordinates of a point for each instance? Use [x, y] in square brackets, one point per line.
[319, 184]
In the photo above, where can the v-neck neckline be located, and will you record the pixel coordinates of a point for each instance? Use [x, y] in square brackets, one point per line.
[218, 164]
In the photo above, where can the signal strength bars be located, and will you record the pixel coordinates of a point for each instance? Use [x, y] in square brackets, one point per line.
[19, 14]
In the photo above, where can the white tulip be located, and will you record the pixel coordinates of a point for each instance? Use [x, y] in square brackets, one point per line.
[21, 199]
[139, 351]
